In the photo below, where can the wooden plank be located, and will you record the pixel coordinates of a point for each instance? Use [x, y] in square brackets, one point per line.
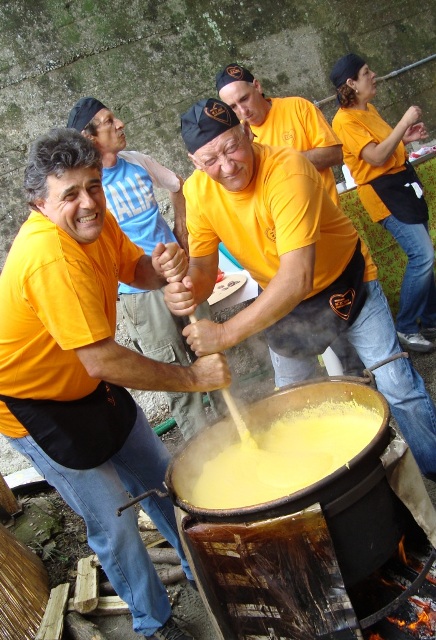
[111, 606]
[107, 606]
[52, 623]
[86, 590]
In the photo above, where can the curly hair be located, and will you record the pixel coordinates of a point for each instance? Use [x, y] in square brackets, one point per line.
[54, 153]
[346, 95]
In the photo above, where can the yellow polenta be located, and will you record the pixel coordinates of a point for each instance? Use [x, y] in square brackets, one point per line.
[296, 451]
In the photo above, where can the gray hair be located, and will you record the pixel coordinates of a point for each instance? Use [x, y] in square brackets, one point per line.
[54, 153]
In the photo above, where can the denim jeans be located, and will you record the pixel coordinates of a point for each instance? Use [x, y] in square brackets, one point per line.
[374, 337]
[96, 494]
[285, 368]
[418, 290]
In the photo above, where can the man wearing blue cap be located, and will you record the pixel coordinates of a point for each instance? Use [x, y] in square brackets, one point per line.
[129, 179]
[270, 208]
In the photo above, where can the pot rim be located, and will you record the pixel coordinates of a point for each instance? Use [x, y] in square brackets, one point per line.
[296, 496]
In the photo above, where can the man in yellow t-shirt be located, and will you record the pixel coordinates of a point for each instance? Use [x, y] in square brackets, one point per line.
[291, 122]
[61, 400]
[269, 206]
[296, 123]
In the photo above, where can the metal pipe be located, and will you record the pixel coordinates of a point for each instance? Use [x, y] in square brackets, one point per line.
[392, 74]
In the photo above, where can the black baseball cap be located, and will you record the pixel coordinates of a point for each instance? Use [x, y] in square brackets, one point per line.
[83, 112]
[206, 120]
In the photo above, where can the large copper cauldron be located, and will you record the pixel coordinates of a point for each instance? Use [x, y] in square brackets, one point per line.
[364, 517]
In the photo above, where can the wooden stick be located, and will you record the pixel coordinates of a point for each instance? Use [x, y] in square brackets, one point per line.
[243, 431]
[234, 412]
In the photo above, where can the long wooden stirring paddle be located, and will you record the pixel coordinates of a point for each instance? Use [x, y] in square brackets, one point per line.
[242, 428]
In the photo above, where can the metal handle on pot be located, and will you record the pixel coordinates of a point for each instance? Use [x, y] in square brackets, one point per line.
[368, 377]
[147, 494]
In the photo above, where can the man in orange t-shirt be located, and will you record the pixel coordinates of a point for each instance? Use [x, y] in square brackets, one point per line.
[317, 278]
[61, 400]
[296, 123]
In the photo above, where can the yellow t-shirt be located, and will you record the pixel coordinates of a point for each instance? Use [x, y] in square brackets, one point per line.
[357, 128]
[284, 208]
[57, 295]
[295, 122]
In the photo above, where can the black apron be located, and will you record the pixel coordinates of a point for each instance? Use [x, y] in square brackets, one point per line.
[78, 434]
[398, 194]
[314, 323]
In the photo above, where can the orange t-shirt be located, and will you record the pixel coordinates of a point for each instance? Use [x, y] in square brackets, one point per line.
[295, 122]
[356, 128]
[285, 207]
[57, 295]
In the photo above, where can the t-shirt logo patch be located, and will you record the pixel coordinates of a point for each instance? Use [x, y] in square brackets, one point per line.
[220, 113]
[235, 72]
[271, 234]
[289, 136]
[341, 303]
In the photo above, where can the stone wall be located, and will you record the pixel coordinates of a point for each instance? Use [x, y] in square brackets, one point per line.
[149, 60]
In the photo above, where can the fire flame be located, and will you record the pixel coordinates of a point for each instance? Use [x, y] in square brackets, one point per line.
[424, 624]
[425, 621]
[402, 552]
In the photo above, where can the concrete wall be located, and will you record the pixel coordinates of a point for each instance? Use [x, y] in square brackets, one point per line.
[149, 60]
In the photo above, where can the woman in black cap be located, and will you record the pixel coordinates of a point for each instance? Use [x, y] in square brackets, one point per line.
[389, 190]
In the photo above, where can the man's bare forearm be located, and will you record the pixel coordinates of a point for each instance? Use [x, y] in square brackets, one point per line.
[107, 360]
[324, 157]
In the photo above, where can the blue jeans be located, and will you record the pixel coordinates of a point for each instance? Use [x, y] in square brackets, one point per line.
[96, 494]
[418, 290]
[374, 338]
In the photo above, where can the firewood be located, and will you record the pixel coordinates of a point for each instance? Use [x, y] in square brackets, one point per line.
[171, 575]
[86, 591]
[163, 555]
[81, 629]
[52, 623]
[111, 606]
